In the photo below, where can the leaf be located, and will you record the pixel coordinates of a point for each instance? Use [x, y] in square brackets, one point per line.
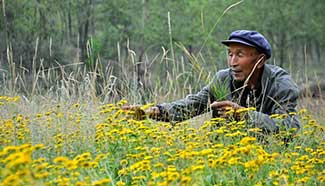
[220, 90]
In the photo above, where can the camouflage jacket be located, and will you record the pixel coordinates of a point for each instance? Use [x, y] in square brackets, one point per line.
[276, 94]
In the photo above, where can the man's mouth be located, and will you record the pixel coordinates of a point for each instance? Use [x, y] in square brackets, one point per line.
[236, 71]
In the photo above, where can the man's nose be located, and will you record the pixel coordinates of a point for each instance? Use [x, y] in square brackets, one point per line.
[232, 60]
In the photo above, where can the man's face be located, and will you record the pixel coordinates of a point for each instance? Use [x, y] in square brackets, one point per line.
[241, 60]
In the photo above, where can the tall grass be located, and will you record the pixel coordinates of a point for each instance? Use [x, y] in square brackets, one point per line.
[87, 140]
[68, 109]
[108, 82]
[166, 75]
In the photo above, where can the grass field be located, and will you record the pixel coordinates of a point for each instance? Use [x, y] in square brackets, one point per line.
[50, 142]
[59, 131]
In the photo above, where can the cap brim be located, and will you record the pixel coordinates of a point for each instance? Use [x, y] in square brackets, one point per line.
[227, 42]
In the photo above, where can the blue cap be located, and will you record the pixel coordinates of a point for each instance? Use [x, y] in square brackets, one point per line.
[250, 38]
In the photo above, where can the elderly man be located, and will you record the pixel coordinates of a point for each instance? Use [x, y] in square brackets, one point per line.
[250, 83]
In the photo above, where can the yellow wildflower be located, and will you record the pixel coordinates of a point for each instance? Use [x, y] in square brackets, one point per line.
[85, 155]
[42, 175]
[197, 168]
[251, 165]
[185, 180]
[120, 183]
[247, 140]
[101, 182]
[274, 116]
[157, 165]
[292, 113]
[321, 178]
[11, 180]
[80, 183]
[60, 159]
[302, 111]
[122, 172]
[233, 161]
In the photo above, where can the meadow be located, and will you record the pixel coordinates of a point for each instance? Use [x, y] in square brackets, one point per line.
[61, 126]
[67, 68]
[53, 142]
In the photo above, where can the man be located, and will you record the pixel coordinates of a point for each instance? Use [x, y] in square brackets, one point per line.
[250, 83]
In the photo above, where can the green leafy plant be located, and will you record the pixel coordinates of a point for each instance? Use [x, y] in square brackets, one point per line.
[220, 90]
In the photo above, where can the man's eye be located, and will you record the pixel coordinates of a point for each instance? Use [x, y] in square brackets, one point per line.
[240, 54]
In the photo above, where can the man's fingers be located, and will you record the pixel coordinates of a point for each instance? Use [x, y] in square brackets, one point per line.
[222, 104]
[153, 112]
[135, 111]
[130, 107]
[222, 108]
[139, 113]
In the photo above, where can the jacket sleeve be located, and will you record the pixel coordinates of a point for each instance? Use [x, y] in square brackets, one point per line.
[192, 105]
[283, 99]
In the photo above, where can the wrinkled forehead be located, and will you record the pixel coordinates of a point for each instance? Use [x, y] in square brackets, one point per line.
[241, 47]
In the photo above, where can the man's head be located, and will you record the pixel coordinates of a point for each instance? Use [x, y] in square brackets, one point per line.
[250, 38]
[247, 49]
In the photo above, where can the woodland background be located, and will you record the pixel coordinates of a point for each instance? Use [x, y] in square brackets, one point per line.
[146, 50]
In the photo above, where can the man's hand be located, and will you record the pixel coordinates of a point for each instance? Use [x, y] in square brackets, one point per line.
[140, 114]
[224, 106]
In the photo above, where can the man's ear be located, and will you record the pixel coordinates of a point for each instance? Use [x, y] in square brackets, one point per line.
[261, 60]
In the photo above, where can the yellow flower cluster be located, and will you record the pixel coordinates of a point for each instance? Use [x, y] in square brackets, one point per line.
[8, 99]
[76, 144]
[18, 167]
[14, 130]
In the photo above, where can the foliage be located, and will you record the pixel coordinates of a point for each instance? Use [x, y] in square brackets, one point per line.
[87, 144]
[136, 49]
[145, 24]
[151, 47]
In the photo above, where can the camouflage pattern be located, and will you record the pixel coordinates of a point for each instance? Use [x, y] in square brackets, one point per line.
[278, 95]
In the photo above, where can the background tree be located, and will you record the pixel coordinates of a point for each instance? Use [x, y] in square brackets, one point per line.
[150, 42]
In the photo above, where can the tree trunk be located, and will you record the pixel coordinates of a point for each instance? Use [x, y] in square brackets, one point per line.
[282, 48]
[43, 23]
[140, 65]
[317, 51]
[83, 21]
[6, 35]
[69, 22]
[5, 22]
